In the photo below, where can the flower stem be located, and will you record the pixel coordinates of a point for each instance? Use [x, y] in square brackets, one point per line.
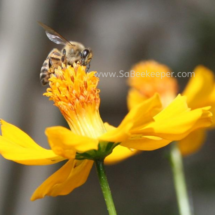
[105, 187]
[179, 180]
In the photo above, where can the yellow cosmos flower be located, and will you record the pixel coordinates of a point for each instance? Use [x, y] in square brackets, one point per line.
[75, 93]
[200, 92]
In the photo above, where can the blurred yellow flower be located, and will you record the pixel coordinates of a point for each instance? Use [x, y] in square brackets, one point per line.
[75, 93]
[200, 92]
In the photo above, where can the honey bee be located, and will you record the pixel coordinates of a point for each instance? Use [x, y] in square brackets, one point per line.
[72, 52]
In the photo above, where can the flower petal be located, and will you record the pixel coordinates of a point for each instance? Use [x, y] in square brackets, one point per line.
[72, 175]
[211, 102]
[181, 125]
[177, 121]
[177, 106]
[213, 117]
[119, 154]
[63, 140]
[146, 143]
[17, 136]
[27, 156]
[192, 142]
[134, 98]
[17, 146]
[139, 115]
[116, 134]
[199, 88]
[143, 112]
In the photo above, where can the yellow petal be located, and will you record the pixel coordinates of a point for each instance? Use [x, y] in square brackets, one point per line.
[17, 146]
[199, 88]
[62, 140]
[139, 115]
[177, 120]
[205, 120]
[213, 117]
[116, 134]
[177, 106]
[109, 127]
[192, 142]
[212, 104]
[180, 126]
[72, 175]
[146, 143]
[27, 156]
[143, 112]
[16, 135]
[119, 154]
[134, 98]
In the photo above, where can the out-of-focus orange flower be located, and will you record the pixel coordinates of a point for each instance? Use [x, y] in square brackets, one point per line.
[148, 78]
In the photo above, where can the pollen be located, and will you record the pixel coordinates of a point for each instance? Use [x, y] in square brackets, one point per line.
[75, 93]
[74, 88]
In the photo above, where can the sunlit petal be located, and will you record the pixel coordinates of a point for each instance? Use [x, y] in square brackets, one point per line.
[177, 106]
[199, 88]
[139, 115]
[26, 155]
[180, 126]
[176, 121]
[17, 136]
[119, 154]
[134, 98]
[62, 139]
[146, 143]
[72, 175]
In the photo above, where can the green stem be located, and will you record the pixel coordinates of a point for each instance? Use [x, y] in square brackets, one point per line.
[105, 187]
[179, 180]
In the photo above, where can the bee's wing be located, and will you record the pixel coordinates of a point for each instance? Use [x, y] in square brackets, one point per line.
[53, 35]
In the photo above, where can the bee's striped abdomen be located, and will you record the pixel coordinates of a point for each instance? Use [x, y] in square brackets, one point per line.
[55, 58]
[52, 62]
[44, 76]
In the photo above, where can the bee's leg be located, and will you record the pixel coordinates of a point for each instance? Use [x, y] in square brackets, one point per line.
[63, 58]
[87, 67]
[50, 62]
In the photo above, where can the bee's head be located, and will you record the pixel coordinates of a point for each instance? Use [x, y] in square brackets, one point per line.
[86, 56]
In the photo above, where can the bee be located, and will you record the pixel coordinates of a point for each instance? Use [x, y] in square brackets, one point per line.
[72, 52]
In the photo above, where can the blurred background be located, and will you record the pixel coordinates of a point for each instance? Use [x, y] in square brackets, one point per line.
[180, 34]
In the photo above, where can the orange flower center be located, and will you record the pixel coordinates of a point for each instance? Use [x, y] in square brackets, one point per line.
[75, 93]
